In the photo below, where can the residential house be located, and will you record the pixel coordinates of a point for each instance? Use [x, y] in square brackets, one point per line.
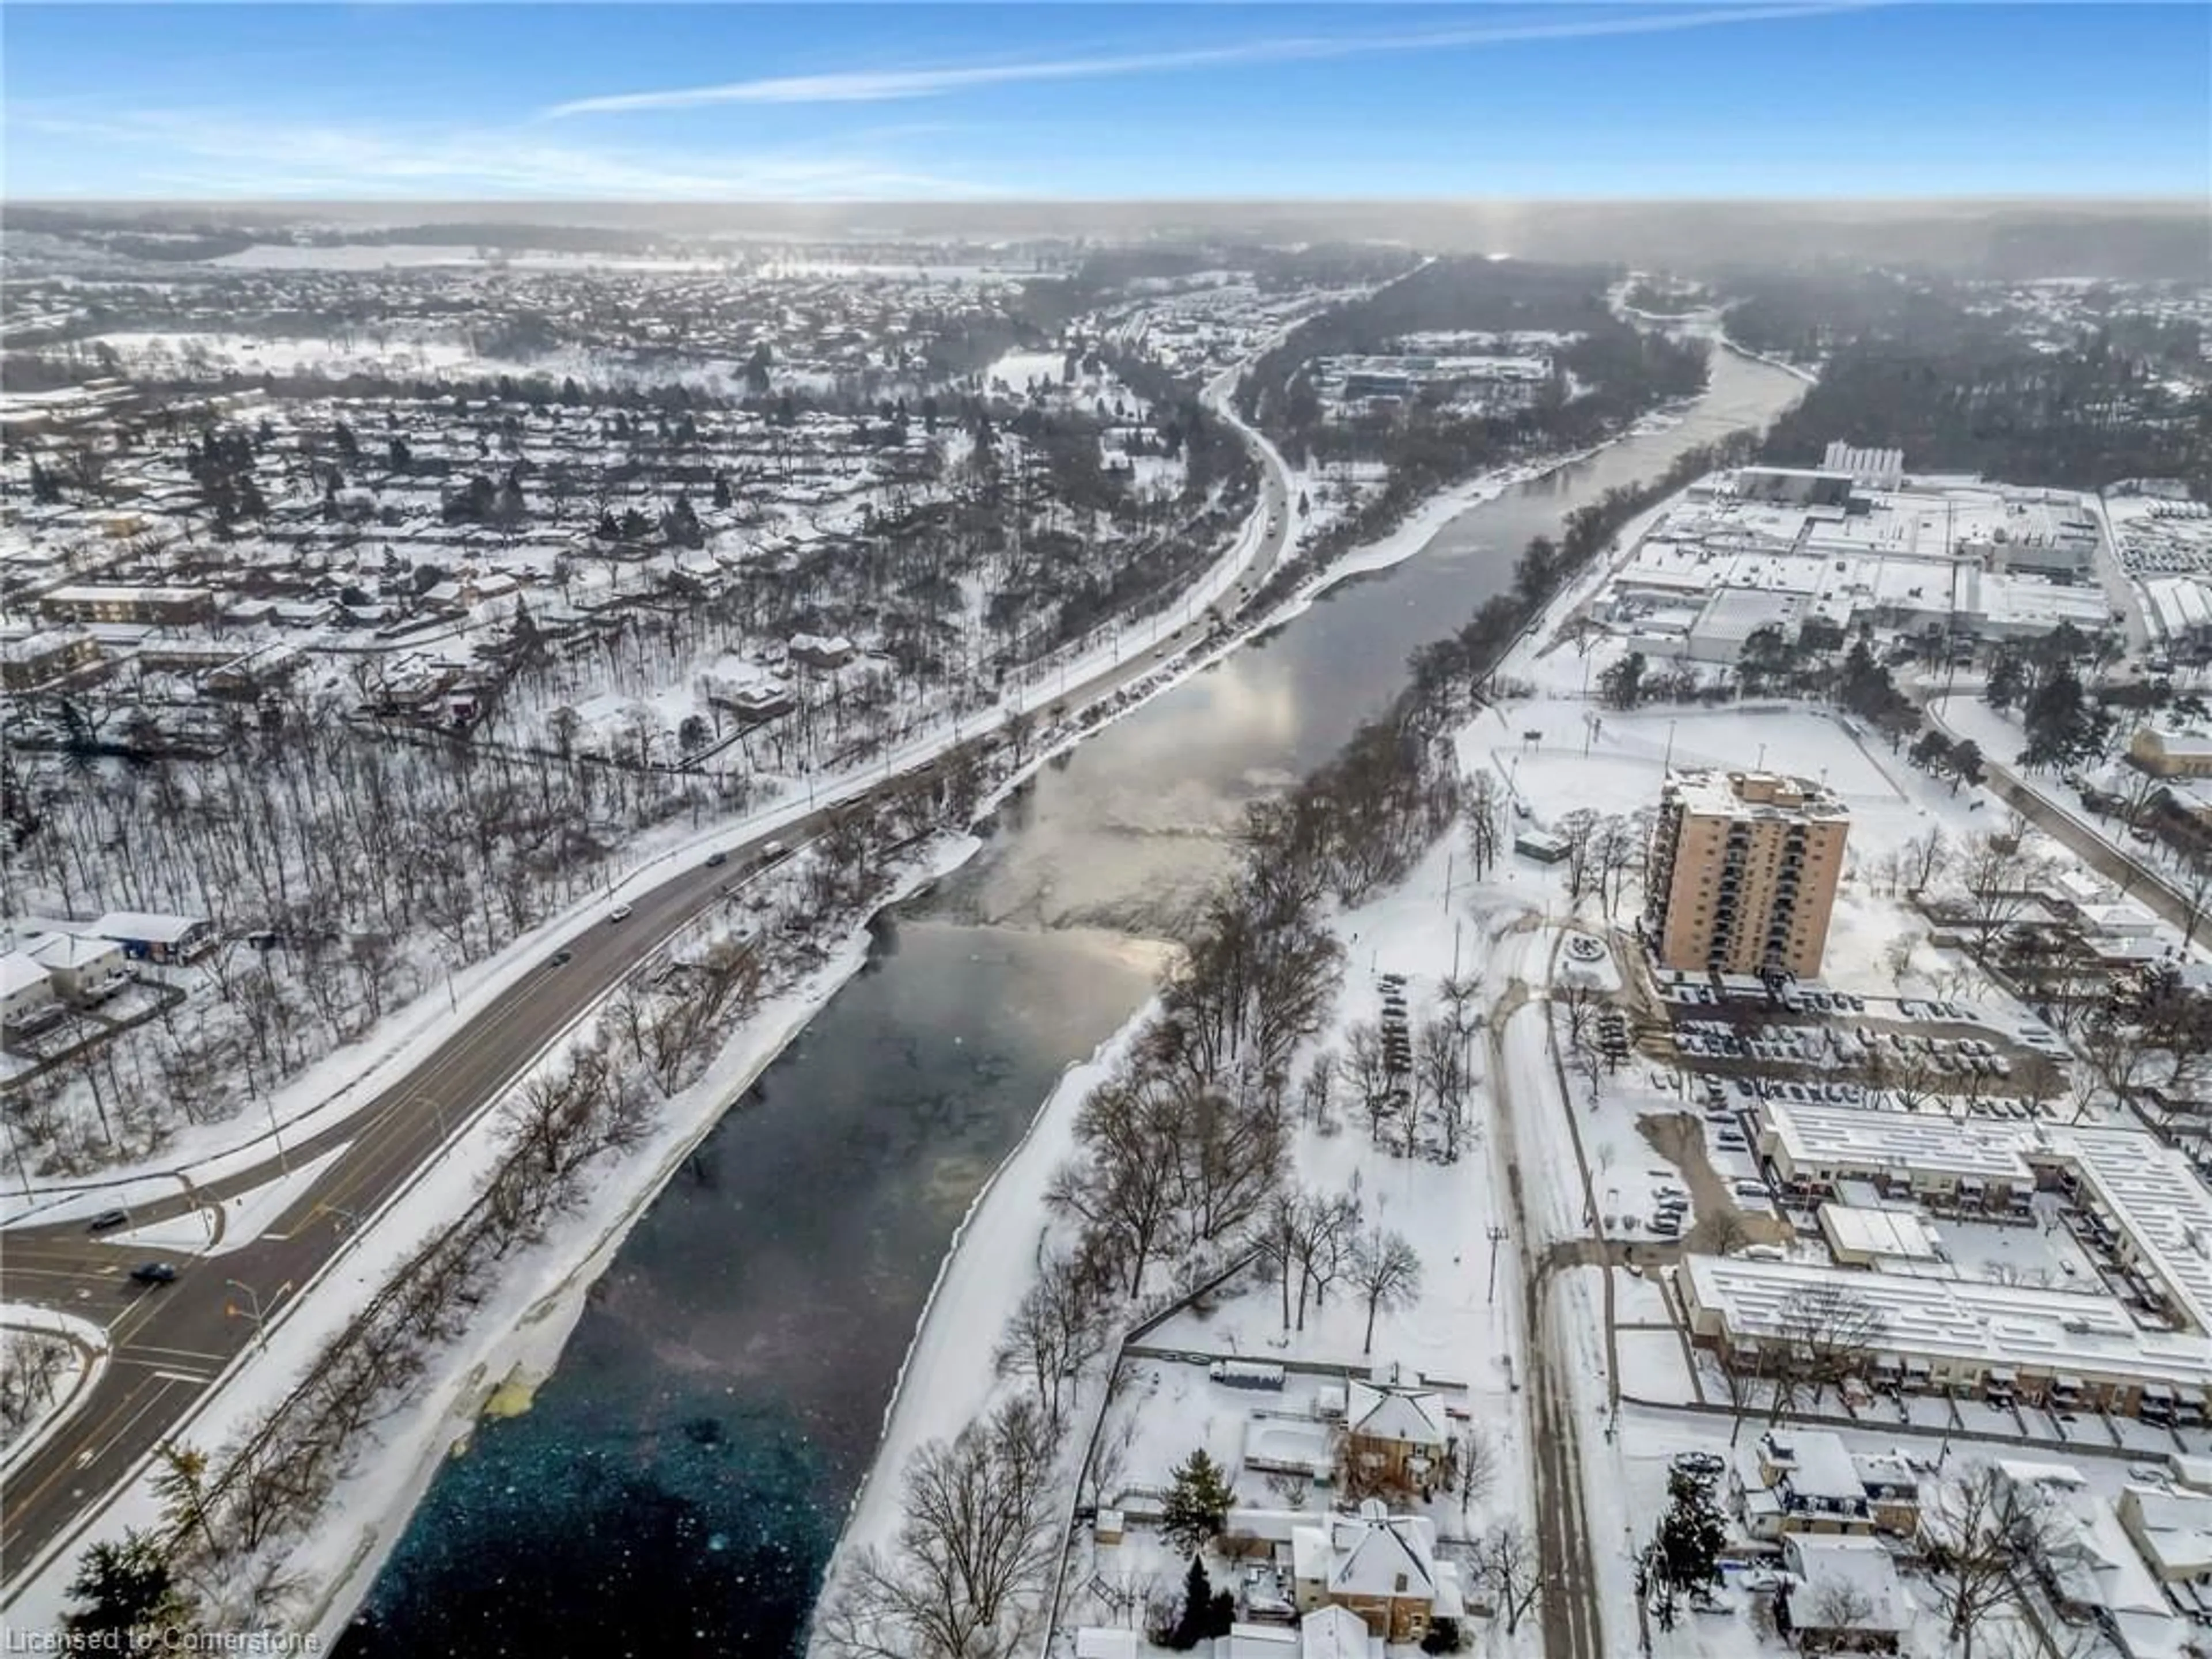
[1259, 1641]
[1800, 1480]
[25, 987]
[147, 936]
[813, 650]
[2091, 1568]
[1893, 1492]
[1394, 1434]
[82, 968]
[1381, 1566]
[1845, 1596]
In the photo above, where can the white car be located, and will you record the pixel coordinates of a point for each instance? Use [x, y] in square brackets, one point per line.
[620, 912]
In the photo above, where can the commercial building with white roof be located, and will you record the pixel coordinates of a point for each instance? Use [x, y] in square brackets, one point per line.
[1955, 1335]
[2142, 1200]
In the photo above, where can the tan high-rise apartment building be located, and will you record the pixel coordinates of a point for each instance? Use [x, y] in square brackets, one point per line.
[1742, 871]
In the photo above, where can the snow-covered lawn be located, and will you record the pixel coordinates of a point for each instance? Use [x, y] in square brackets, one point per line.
[68, 1369]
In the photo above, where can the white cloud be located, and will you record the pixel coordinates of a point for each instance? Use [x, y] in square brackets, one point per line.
[223, 155]
[875, 85]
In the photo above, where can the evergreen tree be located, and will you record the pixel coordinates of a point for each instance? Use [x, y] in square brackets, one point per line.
[1221, 1613]
[1685, 1552]
[722, 498]
[1198, 1502]
[2008, 678]
[1931, 752]
[123, 1587]
[1192, 1627]
[509, 507]
[1621, 684]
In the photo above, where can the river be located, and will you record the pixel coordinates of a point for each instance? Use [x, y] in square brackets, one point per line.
[678, 1485]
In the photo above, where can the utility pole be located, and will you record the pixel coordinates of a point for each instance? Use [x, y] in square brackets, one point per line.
[1496, 1233]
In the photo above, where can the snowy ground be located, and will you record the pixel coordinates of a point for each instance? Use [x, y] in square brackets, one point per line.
[86, 1357]
[237, 1221]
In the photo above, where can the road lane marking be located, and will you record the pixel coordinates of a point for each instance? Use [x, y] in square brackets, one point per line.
[180, 1353]
[85, 1456]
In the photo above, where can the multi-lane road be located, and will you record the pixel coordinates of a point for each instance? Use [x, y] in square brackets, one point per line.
[169, 1345]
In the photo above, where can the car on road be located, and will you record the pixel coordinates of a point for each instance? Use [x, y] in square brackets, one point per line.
[771, 849]
[562, 958]
[154, 1272]
[715, 860]
[108, 1221]
[620, 912]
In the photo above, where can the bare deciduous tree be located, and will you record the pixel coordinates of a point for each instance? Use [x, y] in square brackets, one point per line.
[1386, 1271]
[973, 1547]
[1507, 1564]
[1824, 1334]
[1056, 1330]
[1979, 1532]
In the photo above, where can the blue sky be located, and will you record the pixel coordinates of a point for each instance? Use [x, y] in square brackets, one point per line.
[1764, 98]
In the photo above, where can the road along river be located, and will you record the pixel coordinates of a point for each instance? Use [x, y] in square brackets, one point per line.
[678, 1485]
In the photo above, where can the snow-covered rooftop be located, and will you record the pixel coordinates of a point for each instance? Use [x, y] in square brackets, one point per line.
[1958, 1319]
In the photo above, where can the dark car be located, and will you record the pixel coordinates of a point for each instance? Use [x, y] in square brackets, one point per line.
[562, 958]
[715, 860]
[108, 1221]
[154, 1272]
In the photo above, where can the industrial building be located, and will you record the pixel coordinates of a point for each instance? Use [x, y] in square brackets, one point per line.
[1855, 547]
[1742, 873]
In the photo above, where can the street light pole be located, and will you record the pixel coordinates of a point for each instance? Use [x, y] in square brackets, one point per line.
[16, 1154]
[1496, 1233]
[254, 1310]
[276, 1134]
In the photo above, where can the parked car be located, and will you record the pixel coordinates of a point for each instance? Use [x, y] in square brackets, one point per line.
[715, 860]
[108, 1220]
[154, 1272]
[620, 912]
